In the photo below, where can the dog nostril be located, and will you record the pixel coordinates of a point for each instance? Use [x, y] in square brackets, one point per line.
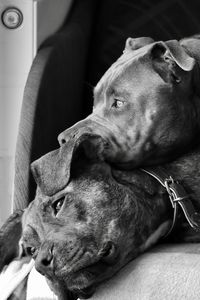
[107, 249]
[62, 141]
[46, 260]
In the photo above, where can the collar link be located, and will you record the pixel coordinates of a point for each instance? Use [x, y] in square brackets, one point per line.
[178, 198]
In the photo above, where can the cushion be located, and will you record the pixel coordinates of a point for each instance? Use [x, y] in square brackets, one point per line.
[166, 272]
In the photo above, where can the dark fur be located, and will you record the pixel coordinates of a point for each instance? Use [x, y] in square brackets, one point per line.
[104, 222]
[158, 84]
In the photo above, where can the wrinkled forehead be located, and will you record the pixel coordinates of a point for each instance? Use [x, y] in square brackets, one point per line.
[138, 59]
[88, 191]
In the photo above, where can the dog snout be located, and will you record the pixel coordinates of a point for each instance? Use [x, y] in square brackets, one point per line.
[67, 135]
[89, 128]
[62, 138]
[44, 259]
[81, 128]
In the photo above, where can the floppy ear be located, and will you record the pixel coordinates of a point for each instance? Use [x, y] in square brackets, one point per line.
[52, 171]
[175, 58]
[10, 234]
[134, 44]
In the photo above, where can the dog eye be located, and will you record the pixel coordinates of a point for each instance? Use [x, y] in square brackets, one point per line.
[118, 103]
[57, 205]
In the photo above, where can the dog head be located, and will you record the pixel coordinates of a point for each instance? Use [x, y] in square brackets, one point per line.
[144, 106]
[82, 233]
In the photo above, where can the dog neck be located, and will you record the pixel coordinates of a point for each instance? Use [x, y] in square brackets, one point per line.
[185, 170]
[183, 175]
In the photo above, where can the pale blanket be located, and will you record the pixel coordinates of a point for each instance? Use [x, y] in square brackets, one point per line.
[37, 287]
[13, 274]
[170, 272]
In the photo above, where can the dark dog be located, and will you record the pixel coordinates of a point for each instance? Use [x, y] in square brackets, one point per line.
[82, 233]
[146, 106]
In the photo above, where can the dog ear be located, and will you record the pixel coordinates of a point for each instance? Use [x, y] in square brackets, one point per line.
[10, 234]
[52, 171]
[134, 44]
[174, 56]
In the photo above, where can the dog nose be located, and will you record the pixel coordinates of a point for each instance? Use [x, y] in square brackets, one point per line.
[61, 139]
[44, 259]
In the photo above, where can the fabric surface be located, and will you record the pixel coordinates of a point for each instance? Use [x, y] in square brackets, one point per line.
[168, 272]
[12, 282]
[25, 134]
[13, 275]
[37, 287]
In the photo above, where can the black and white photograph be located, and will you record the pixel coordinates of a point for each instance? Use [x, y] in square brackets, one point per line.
[99, 149]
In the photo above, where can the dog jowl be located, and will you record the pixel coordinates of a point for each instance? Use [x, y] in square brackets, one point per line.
[146, 106]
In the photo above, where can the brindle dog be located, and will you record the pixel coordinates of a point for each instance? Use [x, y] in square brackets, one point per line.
[82, 233]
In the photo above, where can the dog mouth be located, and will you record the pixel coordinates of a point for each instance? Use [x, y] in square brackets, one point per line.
[83, 280]
[81, 277]
[85, 293]
[81, 283]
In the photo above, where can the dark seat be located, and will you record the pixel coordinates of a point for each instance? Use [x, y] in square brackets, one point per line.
[68, 65]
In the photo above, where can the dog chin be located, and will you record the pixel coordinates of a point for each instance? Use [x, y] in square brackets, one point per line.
[83, 282]
[84, 293]
[78, 285]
